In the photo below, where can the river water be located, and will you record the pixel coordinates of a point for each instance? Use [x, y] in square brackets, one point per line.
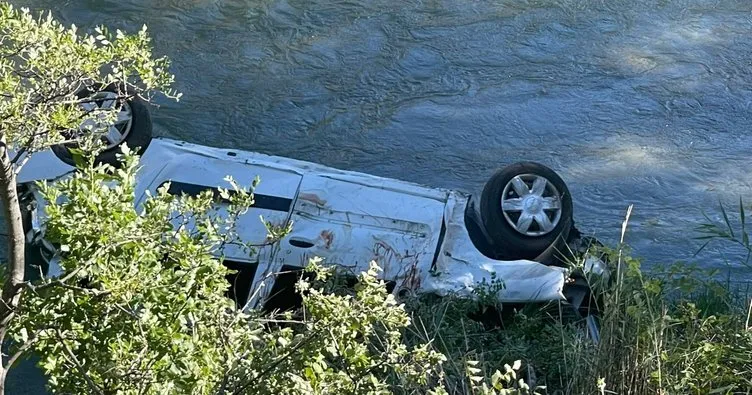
[643, 102]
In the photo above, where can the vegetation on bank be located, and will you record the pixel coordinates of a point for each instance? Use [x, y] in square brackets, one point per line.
[683, 331]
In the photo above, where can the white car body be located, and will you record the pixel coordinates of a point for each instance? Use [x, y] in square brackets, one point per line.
[415, 233]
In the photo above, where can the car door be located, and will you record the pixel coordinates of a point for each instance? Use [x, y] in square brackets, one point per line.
[350, 220]
[273, 202]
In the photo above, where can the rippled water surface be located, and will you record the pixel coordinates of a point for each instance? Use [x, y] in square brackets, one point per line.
[632, 101]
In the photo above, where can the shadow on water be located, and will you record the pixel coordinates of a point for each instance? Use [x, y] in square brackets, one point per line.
[633, 102]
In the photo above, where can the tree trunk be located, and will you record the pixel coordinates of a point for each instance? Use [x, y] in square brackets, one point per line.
[16, 265]
[3, 375]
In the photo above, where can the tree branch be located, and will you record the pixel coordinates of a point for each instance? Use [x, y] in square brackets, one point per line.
[345, 365]
[16, 52]
[278, 361]
[22, 350]
[53, 283]
[80, 367]
[16, 266]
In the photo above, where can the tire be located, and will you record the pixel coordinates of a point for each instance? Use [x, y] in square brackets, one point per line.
[513, 242]
[138, 137]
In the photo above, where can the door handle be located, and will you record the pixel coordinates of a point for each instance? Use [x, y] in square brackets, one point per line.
[301, 243]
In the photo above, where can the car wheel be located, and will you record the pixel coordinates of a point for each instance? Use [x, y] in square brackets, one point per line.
[526, 208]
[133, 125]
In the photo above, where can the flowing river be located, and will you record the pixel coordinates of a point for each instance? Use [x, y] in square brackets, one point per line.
[643, 102]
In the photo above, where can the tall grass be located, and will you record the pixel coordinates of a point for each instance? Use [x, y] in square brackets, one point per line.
[679, 330]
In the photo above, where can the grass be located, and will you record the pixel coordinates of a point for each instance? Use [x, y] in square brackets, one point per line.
[678, 330]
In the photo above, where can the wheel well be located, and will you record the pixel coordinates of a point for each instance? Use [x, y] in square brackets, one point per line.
[478, 235]
[283, 296]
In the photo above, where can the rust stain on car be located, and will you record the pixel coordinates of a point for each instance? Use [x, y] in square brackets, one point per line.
[384, 254]
[328, 237]
[411, 279]
[406, 273]
[313, 198]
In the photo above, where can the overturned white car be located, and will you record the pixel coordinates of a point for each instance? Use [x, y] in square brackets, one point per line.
[425, 239]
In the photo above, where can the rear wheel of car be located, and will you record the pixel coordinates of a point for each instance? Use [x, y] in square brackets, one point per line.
[526, 208]
[133, 125]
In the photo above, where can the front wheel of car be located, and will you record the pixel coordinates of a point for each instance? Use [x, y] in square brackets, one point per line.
[132, 125]
[525, 208]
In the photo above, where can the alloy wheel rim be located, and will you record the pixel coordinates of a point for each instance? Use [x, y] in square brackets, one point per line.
[531, 205]
[100, 104]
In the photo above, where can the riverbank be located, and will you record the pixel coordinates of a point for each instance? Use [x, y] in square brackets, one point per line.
[680, 330]
[675, 329]
[658, 335]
